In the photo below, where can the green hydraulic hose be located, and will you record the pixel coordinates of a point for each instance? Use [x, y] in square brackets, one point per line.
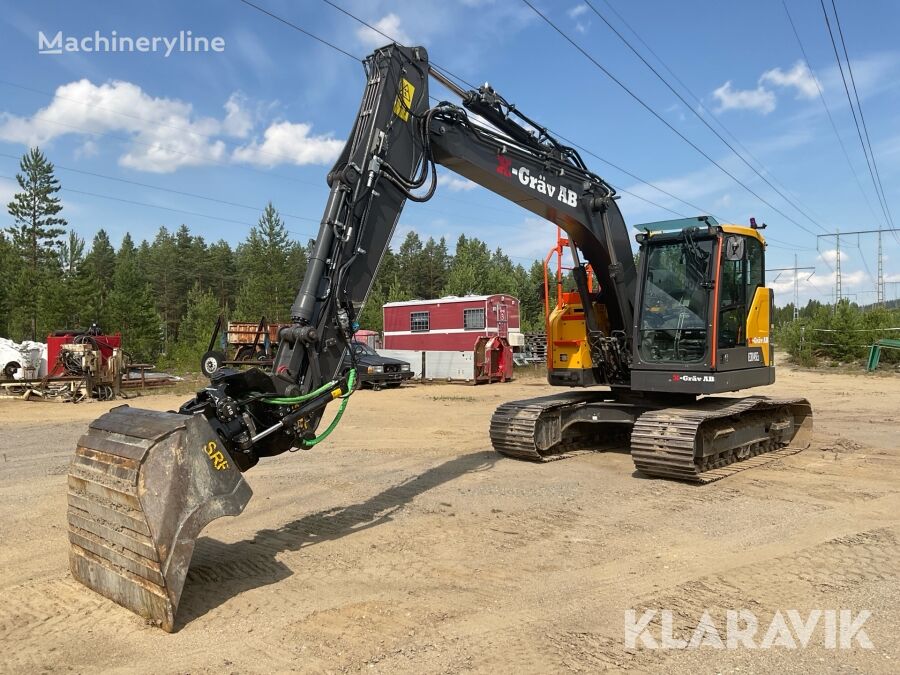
[351, 381]
[293, 400]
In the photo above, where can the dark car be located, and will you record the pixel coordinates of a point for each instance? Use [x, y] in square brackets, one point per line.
[377, 371]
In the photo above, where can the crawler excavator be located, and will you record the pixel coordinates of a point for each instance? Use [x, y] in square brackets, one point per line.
[641, 350]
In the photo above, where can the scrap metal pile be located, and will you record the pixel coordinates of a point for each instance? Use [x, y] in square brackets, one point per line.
[70, 366]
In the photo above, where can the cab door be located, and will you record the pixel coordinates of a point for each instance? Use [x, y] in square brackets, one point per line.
[743, 304]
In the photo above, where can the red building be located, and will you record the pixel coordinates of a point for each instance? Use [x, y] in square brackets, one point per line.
[449, 324]
[454, 338]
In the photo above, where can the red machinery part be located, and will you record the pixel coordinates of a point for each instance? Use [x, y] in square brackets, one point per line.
[106, 344]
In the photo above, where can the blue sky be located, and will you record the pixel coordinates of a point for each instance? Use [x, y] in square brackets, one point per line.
[264, 118]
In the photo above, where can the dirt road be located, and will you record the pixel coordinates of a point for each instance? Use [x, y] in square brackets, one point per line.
[404, 544]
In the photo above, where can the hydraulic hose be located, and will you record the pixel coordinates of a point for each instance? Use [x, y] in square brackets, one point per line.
[293, 400]
[351, 382]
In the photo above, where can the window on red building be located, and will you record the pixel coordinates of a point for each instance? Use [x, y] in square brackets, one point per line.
[473, 319]
[419, 322]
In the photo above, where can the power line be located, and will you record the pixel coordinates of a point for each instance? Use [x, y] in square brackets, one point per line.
[875, 182]
[699, 116]
[158, 206]
[560, 136]
[583, 149]
[472, 86]
[828, 111]
[862, 117]
[385, 35]
[170, 190]
[662, 119]
[316, 185]
[302, 30]
[700, 105]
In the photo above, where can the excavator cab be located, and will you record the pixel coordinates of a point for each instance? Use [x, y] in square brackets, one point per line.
[702, 323]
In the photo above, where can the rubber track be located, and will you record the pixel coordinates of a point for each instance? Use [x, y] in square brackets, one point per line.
[663, 441]
[514, 425]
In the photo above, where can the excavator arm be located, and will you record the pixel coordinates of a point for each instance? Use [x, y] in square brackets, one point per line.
[397, 140]
[391, 157]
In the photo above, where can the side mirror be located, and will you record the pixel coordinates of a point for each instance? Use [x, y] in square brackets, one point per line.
[734, 247]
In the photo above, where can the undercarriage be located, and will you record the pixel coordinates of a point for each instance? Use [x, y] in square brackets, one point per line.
[699, 442]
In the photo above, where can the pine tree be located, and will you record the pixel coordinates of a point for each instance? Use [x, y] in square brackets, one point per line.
[267, 287]
[190, 257]
[196, 327]
[221, 274]
[131, 307]
[99, 269]
[8, 266]
[470, 268]
[164, 281]
[37, 225]
[531, 299]
[435, 268]
[386, 279]
[410, 263]
[75, 282]
[35, 234]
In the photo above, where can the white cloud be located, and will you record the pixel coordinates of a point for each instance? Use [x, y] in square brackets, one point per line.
[87, 149]
[830, 256]
[7, 190]
[166, 133]
[289, 142]
[456, 183]
[724, 201]
[760, 99]
[238, 121]
[576, 13]
[534, 237]
[799, 78]
[389, 25]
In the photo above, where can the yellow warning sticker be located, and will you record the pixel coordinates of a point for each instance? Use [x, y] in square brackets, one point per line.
[404, 99]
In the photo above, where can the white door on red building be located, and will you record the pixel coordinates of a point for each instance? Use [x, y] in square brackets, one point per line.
[502, 321]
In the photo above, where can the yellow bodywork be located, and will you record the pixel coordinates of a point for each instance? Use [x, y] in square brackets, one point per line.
[567, 335]
[758, 322]
[745, 231]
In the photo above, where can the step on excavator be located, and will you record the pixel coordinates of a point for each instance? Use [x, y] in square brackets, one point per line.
[642, 347]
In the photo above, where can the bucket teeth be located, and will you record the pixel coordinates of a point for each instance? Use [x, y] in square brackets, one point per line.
[141, 487]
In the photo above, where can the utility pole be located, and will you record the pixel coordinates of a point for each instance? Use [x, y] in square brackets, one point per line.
[837, 268]
[879, 288]
[795, 270]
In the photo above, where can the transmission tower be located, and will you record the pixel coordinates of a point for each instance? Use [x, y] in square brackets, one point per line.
[838, 290]
[795, 270]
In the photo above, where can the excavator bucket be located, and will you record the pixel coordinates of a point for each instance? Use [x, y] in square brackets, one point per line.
[142, 485]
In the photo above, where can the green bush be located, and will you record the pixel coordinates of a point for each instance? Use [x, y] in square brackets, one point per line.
[837, 334]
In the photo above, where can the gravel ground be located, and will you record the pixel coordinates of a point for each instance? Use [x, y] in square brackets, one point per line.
[404, 544]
